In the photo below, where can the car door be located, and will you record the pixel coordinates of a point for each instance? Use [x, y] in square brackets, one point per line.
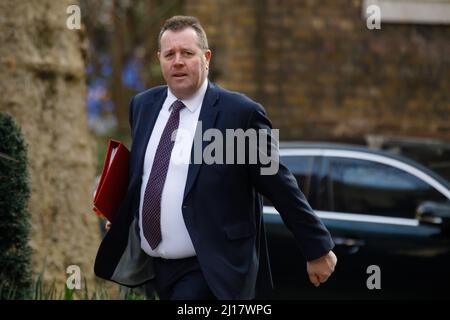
[370, 210]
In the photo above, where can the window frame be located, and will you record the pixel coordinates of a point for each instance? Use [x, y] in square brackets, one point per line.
[328, 214]
[336, 161]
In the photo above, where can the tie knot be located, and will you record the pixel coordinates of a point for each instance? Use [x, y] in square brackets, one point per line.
[177, 106]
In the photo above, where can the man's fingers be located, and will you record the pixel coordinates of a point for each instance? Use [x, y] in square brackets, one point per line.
[320, 269]
[314, 280]
[323, 279]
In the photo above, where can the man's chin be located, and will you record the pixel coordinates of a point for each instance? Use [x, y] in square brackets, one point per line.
[182, 92]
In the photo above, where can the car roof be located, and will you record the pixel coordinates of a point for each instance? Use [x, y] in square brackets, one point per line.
[365, 149]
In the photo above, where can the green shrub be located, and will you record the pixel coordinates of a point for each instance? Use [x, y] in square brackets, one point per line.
[15, 253]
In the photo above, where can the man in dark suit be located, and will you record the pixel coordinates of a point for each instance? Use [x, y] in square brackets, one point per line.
[194, 229]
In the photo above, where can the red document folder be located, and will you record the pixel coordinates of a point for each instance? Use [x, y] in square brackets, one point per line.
[113, 183]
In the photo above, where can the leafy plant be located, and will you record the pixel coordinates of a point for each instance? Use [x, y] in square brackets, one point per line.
[15, 253]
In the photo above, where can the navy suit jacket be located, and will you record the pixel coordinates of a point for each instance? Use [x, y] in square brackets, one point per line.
[222, 205]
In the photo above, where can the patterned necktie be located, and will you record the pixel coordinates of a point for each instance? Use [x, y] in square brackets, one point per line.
[151, 210]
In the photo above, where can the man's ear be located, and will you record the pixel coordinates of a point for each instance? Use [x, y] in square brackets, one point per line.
[158, 54]
[208, 55]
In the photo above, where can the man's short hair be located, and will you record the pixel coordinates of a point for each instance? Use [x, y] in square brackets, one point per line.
[179, 23]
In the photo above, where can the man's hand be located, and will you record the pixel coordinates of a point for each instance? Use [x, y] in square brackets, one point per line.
[320, 269]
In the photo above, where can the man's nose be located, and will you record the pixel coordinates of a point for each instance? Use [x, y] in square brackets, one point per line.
[178, 60]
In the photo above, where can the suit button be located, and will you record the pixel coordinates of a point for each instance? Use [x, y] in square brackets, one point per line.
[184, 207]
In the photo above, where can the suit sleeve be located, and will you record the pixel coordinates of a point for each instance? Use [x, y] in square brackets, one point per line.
[282, 189]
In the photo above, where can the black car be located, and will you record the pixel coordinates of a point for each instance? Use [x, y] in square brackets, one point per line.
[388, 215]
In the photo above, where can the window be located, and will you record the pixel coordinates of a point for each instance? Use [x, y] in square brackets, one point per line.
[301, 167]
[367, 187]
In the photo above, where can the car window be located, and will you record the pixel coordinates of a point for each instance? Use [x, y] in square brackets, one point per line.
[301, 167]
[367, 187]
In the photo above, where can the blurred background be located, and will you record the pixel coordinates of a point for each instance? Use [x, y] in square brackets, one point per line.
[321, 73]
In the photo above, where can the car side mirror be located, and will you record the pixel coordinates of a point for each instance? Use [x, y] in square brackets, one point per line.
[433, 212]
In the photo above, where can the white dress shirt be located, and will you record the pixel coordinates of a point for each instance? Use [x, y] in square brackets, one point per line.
[176, 242]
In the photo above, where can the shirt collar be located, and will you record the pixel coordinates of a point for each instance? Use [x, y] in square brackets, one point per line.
[193, 102]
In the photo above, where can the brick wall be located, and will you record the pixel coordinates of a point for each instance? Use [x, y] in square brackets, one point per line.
[321, 74]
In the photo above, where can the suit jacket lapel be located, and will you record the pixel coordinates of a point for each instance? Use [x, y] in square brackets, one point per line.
[207, 120]
[150, 111]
